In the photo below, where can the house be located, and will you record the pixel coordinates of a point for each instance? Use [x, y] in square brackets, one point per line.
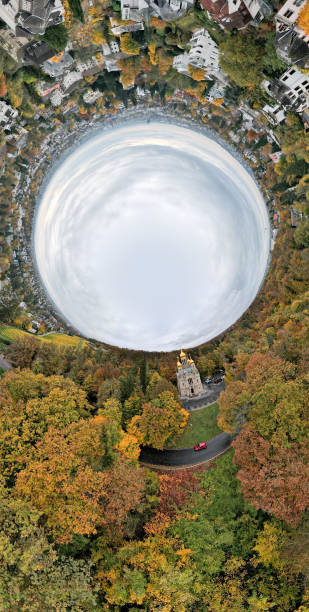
[275, 113]
[45, 90]
[237, 14]
[91, 66]
[90, 96]
[168, 10]
[118, 29]
[8, 115]
[203, 54]
[110, 48]
[287, 16]
[134, 10]
[275, 158]
[291, 90]
[291, 41]
[37, 52]
[57, 64]
[70, 81]
[32, 16]
[13, 45]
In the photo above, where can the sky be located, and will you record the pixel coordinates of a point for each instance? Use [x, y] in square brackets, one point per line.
[151, 236]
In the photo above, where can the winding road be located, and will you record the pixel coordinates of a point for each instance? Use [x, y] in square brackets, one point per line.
[185, 457]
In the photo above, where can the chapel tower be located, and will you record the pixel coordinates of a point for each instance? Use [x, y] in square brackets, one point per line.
[188, 378]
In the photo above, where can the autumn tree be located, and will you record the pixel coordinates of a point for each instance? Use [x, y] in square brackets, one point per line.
[128, 45]
[303, 18]
[160, 420]
[197, 74]
[33, 576]
[273, 479]
[155, 573]
[3, 88]
[63, 482]
[30, 404]
[241, 59]
[21, 353]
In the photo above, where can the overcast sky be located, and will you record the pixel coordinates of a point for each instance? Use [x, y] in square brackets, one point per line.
[151, 236]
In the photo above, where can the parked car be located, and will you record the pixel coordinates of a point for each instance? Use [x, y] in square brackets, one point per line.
[216, 381]
[208, 380]
[200, 446]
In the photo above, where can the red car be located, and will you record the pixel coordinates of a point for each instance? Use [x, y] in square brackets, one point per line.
[200, 446]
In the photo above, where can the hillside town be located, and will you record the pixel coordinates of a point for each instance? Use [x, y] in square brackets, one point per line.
[69, 67]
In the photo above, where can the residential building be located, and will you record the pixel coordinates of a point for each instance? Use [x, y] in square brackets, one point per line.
[169, 10]
[91, 66]
[118, 29]
[57, 65]
[45, 90]
[237, 14]
[90, 96]
[134, 10]
[32, 16]
[110, 48]
[275, 113]
[70, 81]
[203, 54]
[188, 378]
[8, 115]
[291, 90]
[287, 16]
[13, 45]
[37, 52]
[291, 41]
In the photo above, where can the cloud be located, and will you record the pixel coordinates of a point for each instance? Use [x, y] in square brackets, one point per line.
[151, 236]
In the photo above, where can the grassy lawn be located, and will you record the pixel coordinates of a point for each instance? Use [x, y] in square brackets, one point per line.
[9, 334]
[201, 426]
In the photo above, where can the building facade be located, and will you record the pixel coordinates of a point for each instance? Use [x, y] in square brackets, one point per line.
[203, 54]
[291, 90]
[238, 14]
[188, 378]
[287, 16]
[32, 16]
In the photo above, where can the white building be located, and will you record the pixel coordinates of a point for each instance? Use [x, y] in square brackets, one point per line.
[117, 29]
[110, 48]
[134, 10]
[12, 44]
[8, 115]
[169, 10]
[275, 114]
[287, 17]
[32, 16]
[57, 65]
[203, 54]
[90, 96]
[70, 81]
[292, 89]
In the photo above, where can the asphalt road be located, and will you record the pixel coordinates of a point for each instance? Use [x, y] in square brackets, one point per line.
[209, 396]
[186, 456]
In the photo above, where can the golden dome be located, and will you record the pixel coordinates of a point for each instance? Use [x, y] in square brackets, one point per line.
[182, 354]
[178, 364]
[190, 360]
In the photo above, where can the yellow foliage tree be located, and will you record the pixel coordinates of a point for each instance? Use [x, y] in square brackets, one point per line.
[152, 53]
[303, 18]
[198, 74]
[128, 45]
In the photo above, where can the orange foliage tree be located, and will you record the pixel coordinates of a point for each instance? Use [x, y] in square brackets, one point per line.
[303, 18]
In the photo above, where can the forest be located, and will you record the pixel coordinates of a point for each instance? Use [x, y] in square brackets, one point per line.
[86, 528]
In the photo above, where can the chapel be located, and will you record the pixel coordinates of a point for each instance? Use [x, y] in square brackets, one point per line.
[188, 378]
